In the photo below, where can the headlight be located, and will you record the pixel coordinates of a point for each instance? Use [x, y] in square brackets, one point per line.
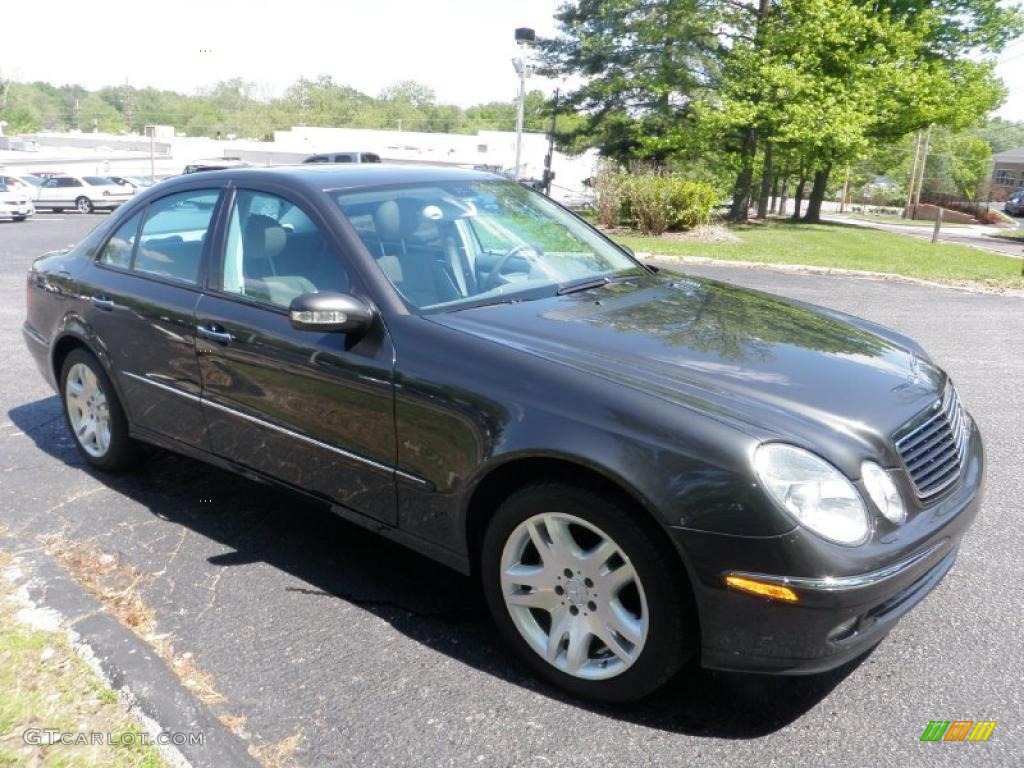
[817, 494]
[883, 492]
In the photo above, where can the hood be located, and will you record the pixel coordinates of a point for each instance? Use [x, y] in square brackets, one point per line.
[769, 366]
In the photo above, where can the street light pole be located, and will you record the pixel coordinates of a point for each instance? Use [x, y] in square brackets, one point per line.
[520, 109]
[524, 36]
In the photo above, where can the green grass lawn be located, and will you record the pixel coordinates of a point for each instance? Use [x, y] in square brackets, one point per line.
[845, 247]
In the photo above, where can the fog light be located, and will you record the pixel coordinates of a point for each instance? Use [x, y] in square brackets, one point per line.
[754, 587]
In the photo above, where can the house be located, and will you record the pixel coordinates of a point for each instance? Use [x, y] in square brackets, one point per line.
[1007, 173]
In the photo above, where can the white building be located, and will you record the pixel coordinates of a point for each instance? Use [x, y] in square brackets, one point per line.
[97, 153]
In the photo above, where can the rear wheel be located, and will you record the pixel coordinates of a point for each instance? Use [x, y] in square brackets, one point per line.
[20, 218]
[584, 594]
[94, 414]
[83, 204]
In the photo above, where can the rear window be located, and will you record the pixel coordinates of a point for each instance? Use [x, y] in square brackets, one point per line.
[99, 181]
[370, 157]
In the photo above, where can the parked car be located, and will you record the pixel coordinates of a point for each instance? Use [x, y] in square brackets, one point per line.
[15, 201]
[643, 468]
[84, 193]
[216, 164]
[1015, 204]
[344, 157]
[135, 183]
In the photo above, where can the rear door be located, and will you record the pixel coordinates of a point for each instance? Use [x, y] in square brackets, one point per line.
[145, 283]
[313, 409]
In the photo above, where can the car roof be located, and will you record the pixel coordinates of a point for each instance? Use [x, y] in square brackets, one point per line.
[347, 176]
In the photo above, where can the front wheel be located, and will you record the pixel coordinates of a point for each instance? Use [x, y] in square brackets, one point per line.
[84, 205]
[20, 218]
[94, 414]
[584, 594]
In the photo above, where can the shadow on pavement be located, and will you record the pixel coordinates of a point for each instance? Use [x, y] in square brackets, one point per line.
[418, 597]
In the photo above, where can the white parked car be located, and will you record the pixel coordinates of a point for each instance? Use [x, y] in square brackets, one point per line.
[84, 193]
[15, 202]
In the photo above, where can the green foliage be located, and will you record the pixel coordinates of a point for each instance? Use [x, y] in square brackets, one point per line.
[235, 108]
[644, 66]
[658, 202]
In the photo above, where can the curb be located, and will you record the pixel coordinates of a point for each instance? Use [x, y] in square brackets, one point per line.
[807, 269]
[126, 663]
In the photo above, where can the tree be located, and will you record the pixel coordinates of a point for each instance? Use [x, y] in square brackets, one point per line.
[824, 78]
[644, 68]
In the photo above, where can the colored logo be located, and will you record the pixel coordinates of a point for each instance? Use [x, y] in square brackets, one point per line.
[958, 730]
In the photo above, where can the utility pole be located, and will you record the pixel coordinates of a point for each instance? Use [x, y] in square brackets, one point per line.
[524, 36]
[913, 176]
[846, 188]
[548, 173]
[924, 164]
[151, 131]
[128, 106]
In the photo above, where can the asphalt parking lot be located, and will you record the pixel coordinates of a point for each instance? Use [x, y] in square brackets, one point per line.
[376, 656]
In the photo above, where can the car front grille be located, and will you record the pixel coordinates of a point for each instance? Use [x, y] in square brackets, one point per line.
[933, 445]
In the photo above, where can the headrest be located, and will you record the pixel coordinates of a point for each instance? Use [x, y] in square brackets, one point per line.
[263, 237]
[396, 219]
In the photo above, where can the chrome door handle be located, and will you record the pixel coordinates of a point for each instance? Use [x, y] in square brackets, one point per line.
[214, 334]
[103, 302]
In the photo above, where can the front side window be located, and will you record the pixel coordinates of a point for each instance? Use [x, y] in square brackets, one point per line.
[118, 250]
[275, 252]
[172, 239]
[452, 244]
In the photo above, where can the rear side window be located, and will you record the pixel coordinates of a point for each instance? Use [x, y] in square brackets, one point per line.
[118, 250]
[99, 181]
[173, 235]
[68, 183]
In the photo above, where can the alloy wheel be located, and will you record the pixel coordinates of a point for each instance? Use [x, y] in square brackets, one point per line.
[574, 596]
[87, 410]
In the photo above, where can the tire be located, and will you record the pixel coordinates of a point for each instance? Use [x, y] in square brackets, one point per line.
[646, 611]
[106, 444]
[57, 210]
[83, 204]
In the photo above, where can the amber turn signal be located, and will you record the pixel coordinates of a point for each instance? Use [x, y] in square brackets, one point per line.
[772, 591]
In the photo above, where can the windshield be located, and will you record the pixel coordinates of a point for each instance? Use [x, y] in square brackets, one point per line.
[447, 245]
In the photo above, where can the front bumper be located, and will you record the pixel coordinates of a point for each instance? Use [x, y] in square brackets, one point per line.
[843, 608]
[14, 209]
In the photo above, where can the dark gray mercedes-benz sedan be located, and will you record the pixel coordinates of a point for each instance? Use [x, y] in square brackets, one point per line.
[642, 468]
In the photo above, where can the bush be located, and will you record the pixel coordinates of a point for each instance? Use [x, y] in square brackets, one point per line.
[657, 202]
[608, 187]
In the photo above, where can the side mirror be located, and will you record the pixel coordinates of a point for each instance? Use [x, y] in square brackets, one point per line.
[627, 249]
[330, 312]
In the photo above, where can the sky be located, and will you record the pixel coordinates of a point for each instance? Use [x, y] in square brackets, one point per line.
[460, 48]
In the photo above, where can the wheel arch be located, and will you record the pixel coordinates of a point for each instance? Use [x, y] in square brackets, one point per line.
[520, 471]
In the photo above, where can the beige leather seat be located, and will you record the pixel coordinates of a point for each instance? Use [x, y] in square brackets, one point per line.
[263, 239]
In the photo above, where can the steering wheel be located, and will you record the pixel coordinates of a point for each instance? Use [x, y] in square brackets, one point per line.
[502, 262]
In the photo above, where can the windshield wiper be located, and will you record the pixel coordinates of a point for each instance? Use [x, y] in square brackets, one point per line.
[584, 285]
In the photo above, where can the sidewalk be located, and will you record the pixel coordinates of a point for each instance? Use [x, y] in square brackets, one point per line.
[974, 235]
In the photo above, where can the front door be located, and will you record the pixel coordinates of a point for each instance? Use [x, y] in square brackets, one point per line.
[150, 271]
[59, 192]
[312, 409]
